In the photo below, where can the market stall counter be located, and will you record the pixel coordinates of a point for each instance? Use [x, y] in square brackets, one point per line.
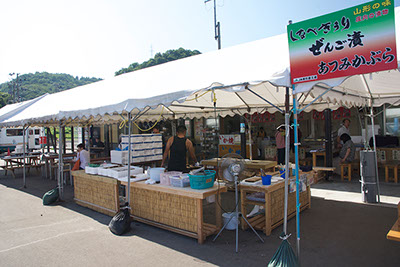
[266, 165]
[272, 198]
[177, 209]
[96, 192]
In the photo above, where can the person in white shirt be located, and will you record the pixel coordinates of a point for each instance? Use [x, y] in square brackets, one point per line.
[343, 130]
[84, 157]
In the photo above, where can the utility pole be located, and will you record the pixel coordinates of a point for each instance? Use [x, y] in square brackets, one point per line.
[217, 25]
[15, 87]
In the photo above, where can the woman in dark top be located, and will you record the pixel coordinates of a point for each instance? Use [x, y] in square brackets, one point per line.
[348, 150]
[177, 146]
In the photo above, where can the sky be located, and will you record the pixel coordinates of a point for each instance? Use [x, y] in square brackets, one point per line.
[96, 38]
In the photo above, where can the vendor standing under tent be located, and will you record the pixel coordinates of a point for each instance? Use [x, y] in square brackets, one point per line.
[178, 146]
[280, 144]
[343, 130]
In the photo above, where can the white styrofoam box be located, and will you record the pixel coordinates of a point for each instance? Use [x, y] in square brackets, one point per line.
[138, 153]
[157, 144]
[123, 171]
[102, 171]
[156, 137]
[148, 158]
[149, 152]
[148, 144]
[92, 170]
[157, 151]
[137, 159]
[158, 157]
[120, 157]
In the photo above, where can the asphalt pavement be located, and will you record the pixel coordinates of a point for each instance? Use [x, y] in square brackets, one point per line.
[336, 231]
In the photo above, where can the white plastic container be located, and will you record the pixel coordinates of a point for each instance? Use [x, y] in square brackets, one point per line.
[155, 173]
[164, 177]
[233, 222]
[180, 181]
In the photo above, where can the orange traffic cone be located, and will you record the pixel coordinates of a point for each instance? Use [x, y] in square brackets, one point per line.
[8, 152]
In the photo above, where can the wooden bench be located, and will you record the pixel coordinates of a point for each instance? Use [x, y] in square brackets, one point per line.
[395, 167]
[394, 233]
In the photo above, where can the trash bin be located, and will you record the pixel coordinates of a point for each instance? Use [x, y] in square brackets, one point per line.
[368, 176]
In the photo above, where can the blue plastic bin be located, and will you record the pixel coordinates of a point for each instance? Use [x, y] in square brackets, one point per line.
[202, 181]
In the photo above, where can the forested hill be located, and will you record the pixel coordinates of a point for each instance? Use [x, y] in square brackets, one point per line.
[159, 58]
[32, 85]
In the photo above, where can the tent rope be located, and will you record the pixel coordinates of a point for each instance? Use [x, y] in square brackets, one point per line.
[154, 125]
[196, 97]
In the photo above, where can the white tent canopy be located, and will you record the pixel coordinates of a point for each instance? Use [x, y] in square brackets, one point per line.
[170, 84]
[239, 78]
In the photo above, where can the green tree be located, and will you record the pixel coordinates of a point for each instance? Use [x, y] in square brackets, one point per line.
[32, 85]
[4, 97]
[159, 58]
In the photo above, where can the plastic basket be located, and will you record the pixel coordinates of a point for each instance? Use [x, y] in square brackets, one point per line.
[202, 181]
[94, 165]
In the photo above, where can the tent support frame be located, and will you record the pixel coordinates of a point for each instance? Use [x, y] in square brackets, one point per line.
[60, 162]
[280, 110]
[24, 128]
[315, 99]
[373, 136]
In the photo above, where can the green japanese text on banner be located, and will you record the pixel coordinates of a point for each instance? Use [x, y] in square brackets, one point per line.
[355, 40]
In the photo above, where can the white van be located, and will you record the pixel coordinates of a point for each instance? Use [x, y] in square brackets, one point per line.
[11, 137]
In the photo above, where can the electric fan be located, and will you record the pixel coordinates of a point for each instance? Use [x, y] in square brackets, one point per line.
[230, 169]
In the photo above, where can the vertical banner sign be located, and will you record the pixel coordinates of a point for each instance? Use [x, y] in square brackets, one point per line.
[356, 40]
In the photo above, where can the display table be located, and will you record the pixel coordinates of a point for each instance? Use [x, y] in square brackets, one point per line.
[274, 205]
[175, 209]
[266, 165]
[96, 192]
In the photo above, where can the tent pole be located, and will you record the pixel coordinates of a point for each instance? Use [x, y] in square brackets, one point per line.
[250, 145]
[296, 150]
[376, 161]
[24, 151]
[60, 162]
[287, 152]
[129, 158]
[373, 135]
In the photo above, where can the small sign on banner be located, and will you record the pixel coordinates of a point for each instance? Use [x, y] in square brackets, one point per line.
[356, 40]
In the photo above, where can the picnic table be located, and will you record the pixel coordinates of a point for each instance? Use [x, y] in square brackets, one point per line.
[51, 162]
[17, 162]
